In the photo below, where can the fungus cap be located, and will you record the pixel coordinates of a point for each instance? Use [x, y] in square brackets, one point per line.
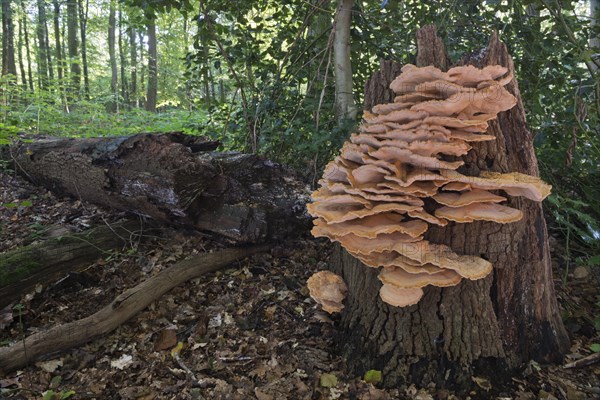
[399, 297]
[327, 289]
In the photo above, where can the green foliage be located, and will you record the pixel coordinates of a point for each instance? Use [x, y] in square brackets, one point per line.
[89, 118]
[52, 395]
[257, 75]
[372, 376]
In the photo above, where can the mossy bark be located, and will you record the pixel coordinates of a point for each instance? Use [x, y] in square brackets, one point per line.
[23, 268]
[486, 327]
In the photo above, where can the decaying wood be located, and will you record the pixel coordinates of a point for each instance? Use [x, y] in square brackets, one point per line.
[172, 178]
[484, 326]
[23, 268]
[122, 308]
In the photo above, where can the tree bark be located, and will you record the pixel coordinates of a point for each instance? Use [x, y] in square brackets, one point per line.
[344, 100]
[9, 66]
[23, 268]
[112, 58]
[172, 178]
[152, 67]
[485, 327]
[121, 309]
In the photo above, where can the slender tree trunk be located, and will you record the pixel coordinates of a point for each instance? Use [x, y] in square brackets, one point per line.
[48, 50]
[112, 58]
[344, 100]
[27, 50]
[595, 37]
[8, 40]
[42, 59]
[20, 56]
[133, 66]
[57, 43]
[142, 64]
[206, 68]
[73, 45]
[123, 60]
[478, 328]
[152, 67]
[83, 18]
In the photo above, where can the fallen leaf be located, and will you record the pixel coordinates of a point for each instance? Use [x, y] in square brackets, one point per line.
[328, 380]
[124, 361]
[261, 395]
[482, 383]
[51, 365]
[167, 338]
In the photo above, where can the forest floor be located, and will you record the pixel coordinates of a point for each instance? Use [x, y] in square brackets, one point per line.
[249, 331]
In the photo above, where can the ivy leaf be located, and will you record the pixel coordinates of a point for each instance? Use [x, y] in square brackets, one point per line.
[595, 347]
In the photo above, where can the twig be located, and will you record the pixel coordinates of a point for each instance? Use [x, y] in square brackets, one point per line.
[584, 362]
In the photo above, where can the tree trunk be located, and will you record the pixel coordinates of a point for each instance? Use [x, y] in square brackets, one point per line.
[20, 56]
[172, 178]
[485, 327]
[57, 43]
[152, 67]
[48, 51]
[133, 65]
[60, 63]
[141, 100]
[8, 41]
[344, 100]
[73, 45]
[22, 269]
[595, 37]
[42, 60]
[112, 58]
[83, 18]
[122, 60]
[27, 50]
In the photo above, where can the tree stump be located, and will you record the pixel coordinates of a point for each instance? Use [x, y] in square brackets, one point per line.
[486, 327]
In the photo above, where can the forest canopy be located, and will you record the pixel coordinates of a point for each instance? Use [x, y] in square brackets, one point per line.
[260, 76]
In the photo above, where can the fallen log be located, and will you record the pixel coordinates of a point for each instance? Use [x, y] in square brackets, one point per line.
[122, 308]
[172, 178]
[25, 267]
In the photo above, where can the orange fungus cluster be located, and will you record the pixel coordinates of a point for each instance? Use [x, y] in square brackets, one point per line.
[398, 175]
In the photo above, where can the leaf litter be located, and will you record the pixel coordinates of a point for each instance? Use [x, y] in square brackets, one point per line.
[247, 332]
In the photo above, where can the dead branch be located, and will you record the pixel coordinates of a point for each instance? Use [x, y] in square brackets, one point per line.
[121, 309]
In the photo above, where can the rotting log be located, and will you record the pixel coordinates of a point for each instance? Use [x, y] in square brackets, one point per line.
[172, 178]
[25, 267]
[121, 309]
[486, 327]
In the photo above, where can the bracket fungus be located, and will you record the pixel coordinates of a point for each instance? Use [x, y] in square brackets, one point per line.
[398, 175]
